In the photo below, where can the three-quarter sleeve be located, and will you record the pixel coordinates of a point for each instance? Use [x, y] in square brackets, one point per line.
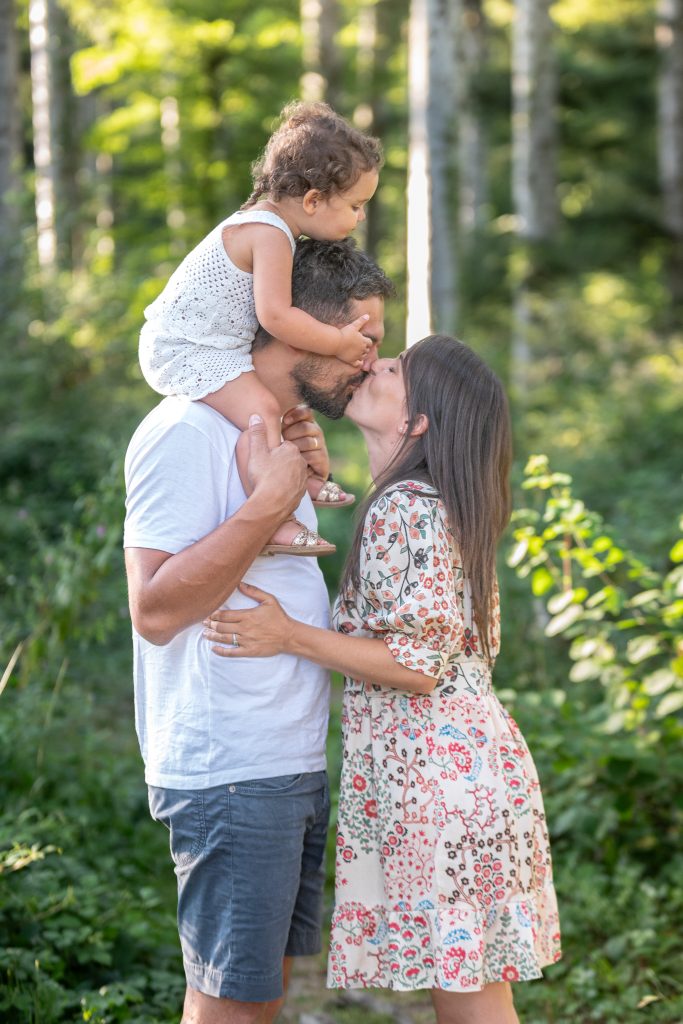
[409, 582]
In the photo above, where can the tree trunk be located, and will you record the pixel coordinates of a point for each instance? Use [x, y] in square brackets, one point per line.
[670, 133]
[533, 120]
[471, 56]
[441, 134]
[10, 143]
[378, 38]
[533, 167]
[430, 241]
[321, 79]
[43, 133]
[67, 133]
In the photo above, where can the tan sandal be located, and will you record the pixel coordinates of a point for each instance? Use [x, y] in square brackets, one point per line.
[330, 496]
[306, 542]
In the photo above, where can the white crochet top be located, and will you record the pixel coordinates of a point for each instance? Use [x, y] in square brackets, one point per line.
[198, 332]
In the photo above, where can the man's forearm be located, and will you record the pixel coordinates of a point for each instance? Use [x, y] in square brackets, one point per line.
[170, 592]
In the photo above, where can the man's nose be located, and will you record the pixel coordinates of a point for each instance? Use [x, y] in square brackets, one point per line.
[370, 360]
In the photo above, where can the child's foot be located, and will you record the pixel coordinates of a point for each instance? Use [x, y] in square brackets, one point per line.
[328, 494]
[293, 538]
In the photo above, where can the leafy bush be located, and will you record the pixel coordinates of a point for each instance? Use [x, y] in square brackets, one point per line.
[607, 742]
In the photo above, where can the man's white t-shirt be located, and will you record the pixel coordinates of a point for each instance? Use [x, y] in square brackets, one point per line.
[203, 720]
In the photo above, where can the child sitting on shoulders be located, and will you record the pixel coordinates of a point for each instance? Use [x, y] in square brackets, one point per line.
[315, 178]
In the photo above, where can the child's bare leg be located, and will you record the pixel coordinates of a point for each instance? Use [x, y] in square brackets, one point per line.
[241, 397]
[237, 400]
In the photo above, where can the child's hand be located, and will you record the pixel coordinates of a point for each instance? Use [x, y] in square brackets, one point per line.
[354, 346]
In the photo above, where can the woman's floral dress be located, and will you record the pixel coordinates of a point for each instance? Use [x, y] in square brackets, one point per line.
[444, 877]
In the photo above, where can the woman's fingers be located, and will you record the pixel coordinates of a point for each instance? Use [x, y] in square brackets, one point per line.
[228, 652]
[221, 636]
[221, 627]
[234, 616]
[256, 593]
[229, 615]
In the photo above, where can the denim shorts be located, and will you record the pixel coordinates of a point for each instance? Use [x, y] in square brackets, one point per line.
[250, 862]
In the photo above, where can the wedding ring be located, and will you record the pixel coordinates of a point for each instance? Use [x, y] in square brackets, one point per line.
[234, 640]
[315, 442]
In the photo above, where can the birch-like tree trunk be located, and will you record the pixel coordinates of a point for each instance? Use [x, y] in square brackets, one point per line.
[670, 133]
[431, 227]
[321, 79]
[471, 56]
[533, 166]
[10, 138]
[44, 155]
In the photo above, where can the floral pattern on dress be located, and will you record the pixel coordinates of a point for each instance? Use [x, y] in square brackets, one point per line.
[444, 876]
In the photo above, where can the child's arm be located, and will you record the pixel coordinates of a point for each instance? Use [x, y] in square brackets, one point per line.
[272, 270]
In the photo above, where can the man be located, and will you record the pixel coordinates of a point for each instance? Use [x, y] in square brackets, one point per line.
[234, 752]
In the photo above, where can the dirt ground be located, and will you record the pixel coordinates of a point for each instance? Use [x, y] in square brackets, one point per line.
[310, 1002]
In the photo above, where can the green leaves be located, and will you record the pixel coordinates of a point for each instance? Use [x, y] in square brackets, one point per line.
[623, 617]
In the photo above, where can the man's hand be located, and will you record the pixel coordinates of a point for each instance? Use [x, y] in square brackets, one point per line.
[277, 475]
[299, 427]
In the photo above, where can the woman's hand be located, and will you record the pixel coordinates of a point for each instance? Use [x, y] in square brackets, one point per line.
[257, 632]
[299, 427]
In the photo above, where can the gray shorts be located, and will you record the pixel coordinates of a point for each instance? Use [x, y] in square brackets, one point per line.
[250, 862]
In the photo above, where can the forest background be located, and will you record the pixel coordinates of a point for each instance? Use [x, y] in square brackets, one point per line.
[532, 201]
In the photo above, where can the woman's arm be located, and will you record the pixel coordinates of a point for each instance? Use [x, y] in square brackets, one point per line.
[267, 630]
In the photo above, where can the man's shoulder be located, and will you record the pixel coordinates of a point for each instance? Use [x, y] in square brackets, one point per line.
[182, 424]
[179, 412]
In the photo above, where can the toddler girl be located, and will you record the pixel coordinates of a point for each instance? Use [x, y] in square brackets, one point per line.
[315, 177]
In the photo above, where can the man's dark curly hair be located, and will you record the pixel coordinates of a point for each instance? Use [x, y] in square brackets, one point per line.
[314, 147]
[327, 277]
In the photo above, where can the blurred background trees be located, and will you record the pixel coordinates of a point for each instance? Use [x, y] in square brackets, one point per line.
[532, 201]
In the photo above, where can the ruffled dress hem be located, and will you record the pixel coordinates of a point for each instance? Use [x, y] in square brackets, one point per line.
[453, 950]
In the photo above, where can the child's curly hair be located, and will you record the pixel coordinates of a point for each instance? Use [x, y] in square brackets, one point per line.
[313, 148]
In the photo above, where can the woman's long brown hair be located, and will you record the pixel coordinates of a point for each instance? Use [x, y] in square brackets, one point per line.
[465, 454]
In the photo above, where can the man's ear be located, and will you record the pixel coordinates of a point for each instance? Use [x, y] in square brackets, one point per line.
[311, 200]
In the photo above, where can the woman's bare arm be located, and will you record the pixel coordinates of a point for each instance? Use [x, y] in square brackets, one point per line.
[267, 630]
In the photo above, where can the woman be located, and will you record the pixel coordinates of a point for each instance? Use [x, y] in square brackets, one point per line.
[444, 878]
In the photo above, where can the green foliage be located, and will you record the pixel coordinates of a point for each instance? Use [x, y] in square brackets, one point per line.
[86, 930]
[620, 936]
[623, 622]
[626, 620]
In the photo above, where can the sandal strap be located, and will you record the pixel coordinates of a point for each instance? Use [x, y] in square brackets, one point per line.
[306, 538]
[330, 491]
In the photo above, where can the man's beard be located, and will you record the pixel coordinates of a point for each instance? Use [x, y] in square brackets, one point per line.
[332, 400]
